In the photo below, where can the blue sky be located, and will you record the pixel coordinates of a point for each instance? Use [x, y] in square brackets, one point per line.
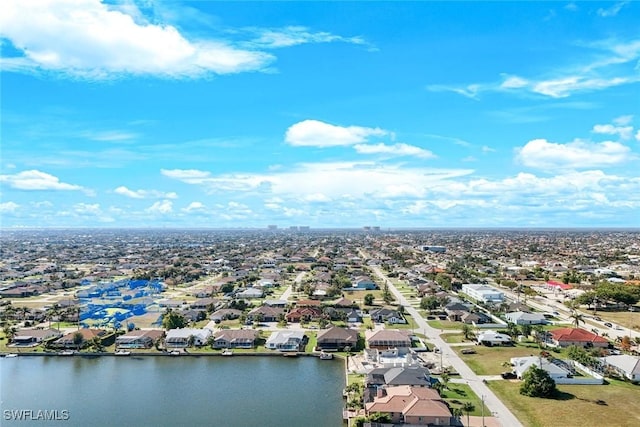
[327, 114]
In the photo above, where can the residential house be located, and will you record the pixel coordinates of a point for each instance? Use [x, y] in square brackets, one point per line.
[68, 340]
[286, 340]
[275, 303]
[139, 338]
[32, 337]
[411, 405]
[522, 318]
[566, 337]
[387, 338]
[343, 302]
[250, 293]
[235, 338]
[205, 303]
[265, 313]
[225, 314]
[557, 371]
[476, 318]
[416, 376]
[180, 338]
[363, 283]
[336, 338]
[624, 365]
[491, 338]
[304, 314]
[455, 310]
[385, 315]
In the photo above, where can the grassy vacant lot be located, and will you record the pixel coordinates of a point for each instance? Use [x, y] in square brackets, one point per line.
[626, 319]
[489, 360]
[458, 394]
[454, 338]
[444, 324]
[616, 404]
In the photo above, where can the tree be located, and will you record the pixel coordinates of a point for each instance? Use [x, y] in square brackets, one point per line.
[78, 339]
[380, 417]
[368, 299]
[386, 293]
[468, 407]
[96, 344]
[444, 379]
[526, 329]
[9, 331]
[173, 320]
[429, 303]
[537, 383]
[467, 331]
[577, 317]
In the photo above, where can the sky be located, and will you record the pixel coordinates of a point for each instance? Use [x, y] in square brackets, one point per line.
[322, 114]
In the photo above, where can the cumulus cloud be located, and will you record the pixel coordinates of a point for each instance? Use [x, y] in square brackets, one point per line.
[638, 136]
[314, 133]
[9, 207]
[613, 10]
[542, 154]
[194, 206]
[88, 38]
[624, 132]
[190, 176]
[144, 194]
[399, 149]
[161, 207]
[37, 180]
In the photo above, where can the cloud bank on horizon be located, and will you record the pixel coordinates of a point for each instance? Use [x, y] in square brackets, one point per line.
[207, 114]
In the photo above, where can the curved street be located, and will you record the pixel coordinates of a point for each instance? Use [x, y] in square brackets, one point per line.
[504, 416]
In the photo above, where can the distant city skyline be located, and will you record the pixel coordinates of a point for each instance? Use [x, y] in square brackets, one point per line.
[227, 115]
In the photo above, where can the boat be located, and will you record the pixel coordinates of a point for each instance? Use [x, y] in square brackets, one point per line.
[227, 352]
[295, 354]
[12, 355]
[67, 353]
[122, 353]
[175, 353]
[326, 356]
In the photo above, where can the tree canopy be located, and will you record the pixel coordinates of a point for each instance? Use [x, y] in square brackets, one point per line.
[537, 383]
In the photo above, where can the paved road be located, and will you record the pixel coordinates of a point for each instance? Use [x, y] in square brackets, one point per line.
[287, 293]
[497, 408]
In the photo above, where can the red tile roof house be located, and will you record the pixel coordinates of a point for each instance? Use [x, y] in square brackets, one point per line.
[304, 313]
[67, 341]
[566, 337]
[411, 405]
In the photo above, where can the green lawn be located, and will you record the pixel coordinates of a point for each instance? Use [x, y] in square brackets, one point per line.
[576, 405]
[444, 324]
[489, 360]
[454, 338]
[458, 394]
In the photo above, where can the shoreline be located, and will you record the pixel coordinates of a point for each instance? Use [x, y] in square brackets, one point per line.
[156, 354]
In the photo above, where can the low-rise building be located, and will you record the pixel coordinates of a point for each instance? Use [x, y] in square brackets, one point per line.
[483, 293]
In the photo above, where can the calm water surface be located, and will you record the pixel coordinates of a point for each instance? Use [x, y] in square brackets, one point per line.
[187, 391]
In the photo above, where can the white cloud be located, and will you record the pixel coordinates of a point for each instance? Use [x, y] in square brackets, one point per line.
[144, 194]
[542, 154]
[194, 206]
[190, 176]
[317, 197]
[84, 208]
[161, 207]
[88, 38]
[9, 207]
[399, 149]
[613, 68]
[625, 132]
[638, 136]
[314, 133]
[623, 120]
[487, 149]
[613, 10]
[296, 35]
[37, 180]
[110, 136]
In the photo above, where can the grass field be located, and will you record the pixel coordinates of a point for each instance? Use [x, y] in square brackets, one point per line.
[489, 360]
[458, 394]
[444, 324]
[626, 319]
[616, 404]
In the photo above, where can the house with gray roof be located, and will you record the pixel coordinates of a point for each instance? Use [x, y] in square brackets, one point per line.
[290, 340]
[522, 318]
[624, 365]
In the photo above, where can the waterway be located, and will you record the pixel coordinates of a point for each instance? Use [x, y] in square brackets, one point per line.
[164, 391]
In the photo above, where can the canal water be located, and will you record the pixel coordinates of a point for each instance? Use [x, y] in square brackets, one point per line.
[165, 391]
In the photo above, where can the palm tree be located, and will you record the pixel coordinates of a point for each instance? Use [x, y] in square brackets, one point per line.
[467, 331]
[10, 332]
[577, 317]
[468, 407]
[444, 378]
[25, 311]
[78, 339]
[96, 344]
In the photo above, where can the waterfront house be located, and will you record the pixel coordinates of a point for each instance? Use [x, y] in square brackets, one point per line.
[286, 340]
[566, 337]
[388, 338]
[68, 340]
[181, 338]
[411, 405]
[336, 338]
[32, 337]
[235, 338]
[139, 338]
[416, 376]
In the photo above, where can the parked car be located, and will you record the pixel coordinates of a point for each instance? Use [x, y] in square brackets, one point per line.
[508, 375]
[597, 318]
[468, 351]
[608, 324]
